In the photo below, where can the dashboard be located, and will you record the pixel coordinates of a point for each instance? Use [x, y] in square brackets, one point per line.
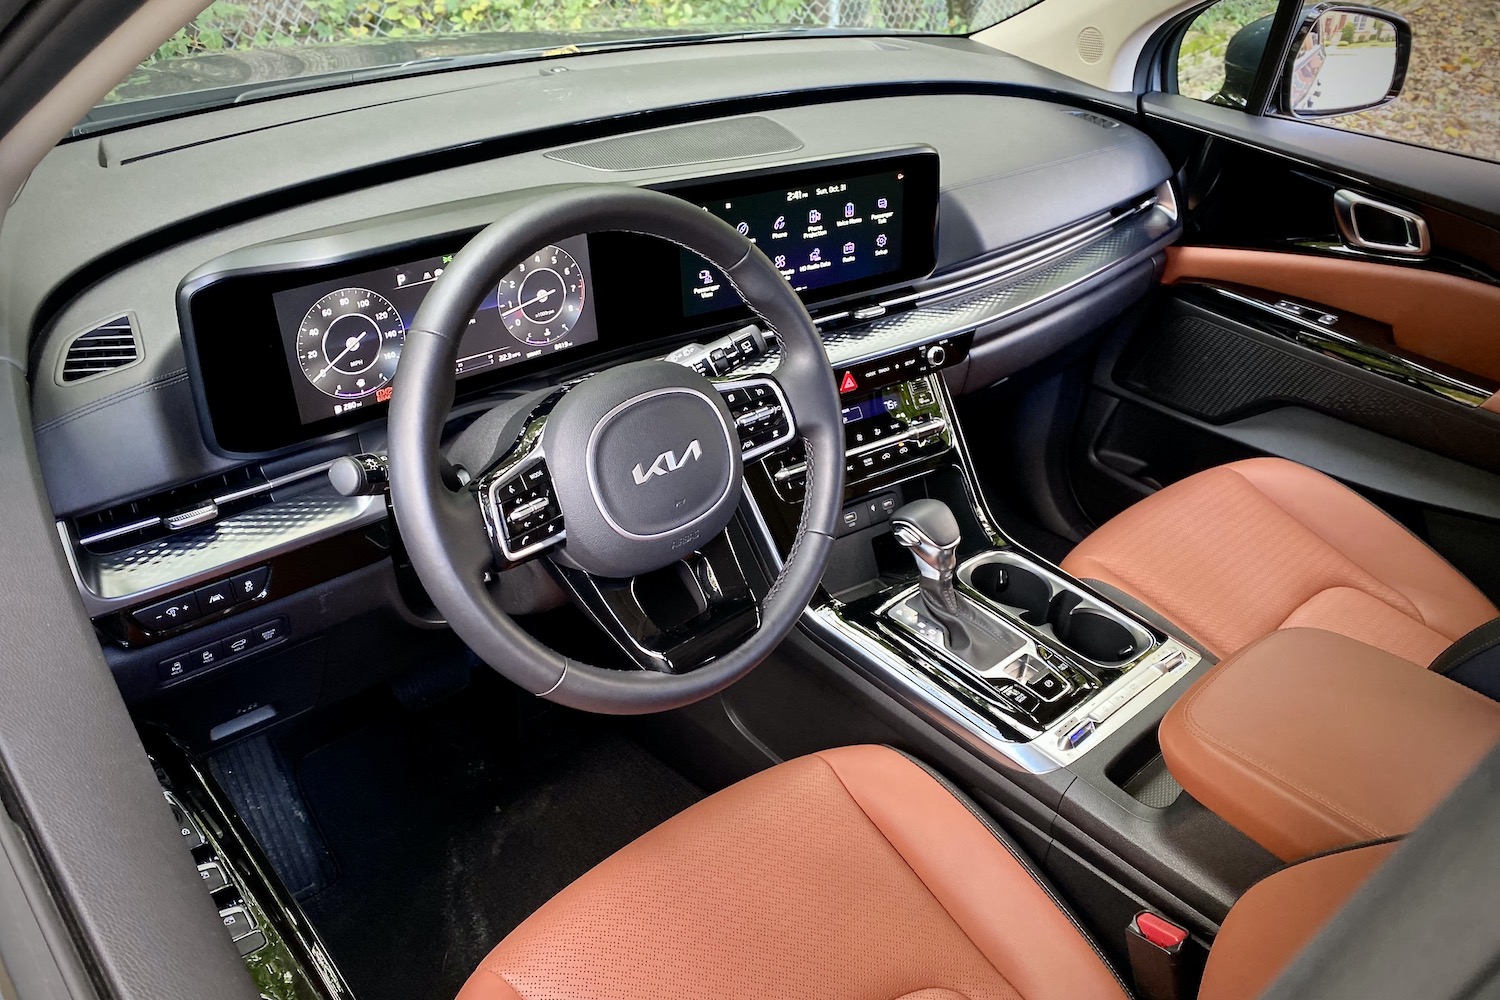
[286, 351]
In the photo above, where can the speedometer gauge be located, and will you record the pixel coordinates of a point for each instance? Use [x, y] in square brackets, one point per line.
[542, 298]
[349, 343]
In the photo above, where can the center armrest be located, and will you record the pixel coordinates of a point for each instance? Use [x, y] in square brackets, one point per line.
[1308, 741]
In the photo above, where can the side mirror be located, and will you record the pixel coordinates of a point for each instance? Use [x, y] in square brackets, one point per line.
[1345, 59]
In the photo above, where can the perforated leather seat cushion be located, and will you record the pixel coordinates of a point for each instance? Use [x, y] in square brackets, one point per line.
[851, 874]
[1239, 551]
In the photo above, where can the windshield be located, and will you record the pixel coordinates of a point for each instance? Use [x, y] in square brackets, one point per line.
[242, 49]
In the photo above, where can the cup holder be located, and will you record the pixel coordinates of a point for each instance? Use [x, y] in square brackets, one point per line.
[1051, 604]
[1096, 636]
[1015, 588]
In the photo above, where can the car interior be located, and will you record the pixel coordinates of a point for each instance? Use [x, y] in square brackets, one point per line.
[838, 514]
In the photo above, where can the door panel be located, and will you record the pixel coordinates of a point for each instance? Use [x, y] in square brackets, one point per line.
[1404, 408]
[1448, 319]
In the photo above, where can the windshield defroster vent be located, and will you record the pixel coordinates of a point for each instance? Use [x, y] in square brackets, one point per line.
[105, 348]
[683, 145]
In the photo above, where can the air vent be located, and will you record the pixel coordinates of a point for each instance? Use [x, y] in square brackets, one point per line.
[105, 348]
[1091, 45]
[137, 521]
[1094, 119]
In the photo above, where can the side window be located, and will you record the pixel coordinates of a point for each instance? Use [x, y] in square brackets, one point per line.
[1221, 51]
[1451, 96]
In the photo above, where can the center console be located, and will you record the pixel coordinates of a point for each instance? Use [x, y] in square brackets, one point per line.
[931, 599]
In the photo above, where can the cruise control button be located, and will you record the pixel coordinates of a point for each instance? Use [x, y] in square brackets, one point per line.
[172, 612]
[249, 586]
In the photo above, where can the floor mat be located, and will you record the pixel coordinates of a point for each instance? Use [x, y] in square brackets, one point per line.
[446, 836]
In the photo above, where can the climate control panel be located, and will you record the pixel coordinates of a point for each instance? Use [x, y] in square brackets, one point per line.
[885, 431]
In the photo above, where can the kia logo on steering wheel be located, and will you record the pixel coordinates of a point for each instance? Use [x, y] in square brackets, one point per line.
[667, 462]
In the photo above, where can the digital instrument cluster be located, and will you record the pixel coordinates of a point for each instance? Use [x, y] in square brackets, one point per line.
[344, 337]
[291, 342]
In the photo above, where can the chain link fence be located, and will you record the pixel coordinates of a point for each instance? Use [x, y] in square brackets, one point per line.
[229, 25]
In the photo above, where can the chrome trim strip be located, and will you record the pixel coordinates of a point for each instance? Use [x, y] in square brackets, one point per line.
[1367, 357]
[942, 311]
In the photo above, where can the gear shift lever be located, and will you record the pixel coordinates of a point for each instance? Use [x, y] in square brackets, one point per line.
[928, 529]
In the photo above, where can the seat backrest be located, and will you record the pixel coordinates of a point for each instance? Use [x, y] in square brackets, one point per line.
[1279, 915]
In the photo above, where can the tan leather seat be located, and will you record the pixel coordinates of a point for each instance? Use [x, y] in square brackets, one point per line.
[1235, 553]
[851, 874]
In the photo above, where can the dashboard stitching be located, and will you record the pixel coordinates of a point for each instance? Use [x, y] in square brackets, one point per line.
[160, 382]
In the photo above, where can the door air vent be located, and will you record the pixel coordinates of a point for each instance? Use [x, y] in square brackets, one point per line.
[105, 348]
[1094, 119]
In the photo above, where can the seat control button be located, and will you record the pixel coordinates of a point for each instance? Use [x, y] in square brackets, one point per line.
[250, 943]
[237, 920]
[213, 876]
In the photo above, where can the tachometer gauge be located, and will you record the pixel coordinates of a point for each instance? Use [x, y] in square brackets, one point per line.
[349, 343]
[542, 298]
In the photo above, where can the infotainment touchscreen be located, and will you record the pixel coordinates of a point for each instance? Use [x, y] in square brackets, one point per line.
[829, 230]
[343, 337]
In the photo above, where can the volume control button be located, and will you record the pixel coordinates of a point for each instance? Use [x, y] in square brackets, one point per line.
[936, 355]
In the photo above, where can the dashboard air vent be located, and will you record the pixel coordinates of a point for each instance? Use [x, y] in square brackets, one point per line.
[1094, 119]
[141, 520]
[105, 348]
[683, 145]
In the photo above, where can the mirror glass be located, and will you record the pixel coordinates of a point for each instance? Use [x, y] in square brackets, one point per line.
[1346, 62]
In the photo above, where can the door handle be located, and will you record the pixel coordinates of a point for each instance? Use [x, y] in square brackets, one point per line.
[1367, 224]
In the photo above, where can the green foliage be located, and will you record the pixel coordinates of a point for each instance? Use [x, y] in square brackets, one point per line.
[1200, 60]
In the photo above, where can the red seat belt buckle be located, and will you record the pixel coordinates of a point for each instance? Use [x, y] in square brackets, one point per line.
[1164, 961]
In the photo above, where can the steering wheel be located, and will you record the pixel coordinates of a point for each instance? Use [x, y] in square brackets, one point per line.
[616, 478]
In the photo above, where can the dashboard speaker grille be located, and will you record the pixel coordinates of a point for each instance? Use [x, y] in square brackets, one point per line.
[103, 349]
[683, 145]
[1091, 45]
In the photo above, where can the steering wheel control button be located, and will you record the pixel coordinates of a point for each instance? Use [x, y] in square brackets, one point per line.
[168, 614]
[760, 416]
[529, 517]
[249, 586]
